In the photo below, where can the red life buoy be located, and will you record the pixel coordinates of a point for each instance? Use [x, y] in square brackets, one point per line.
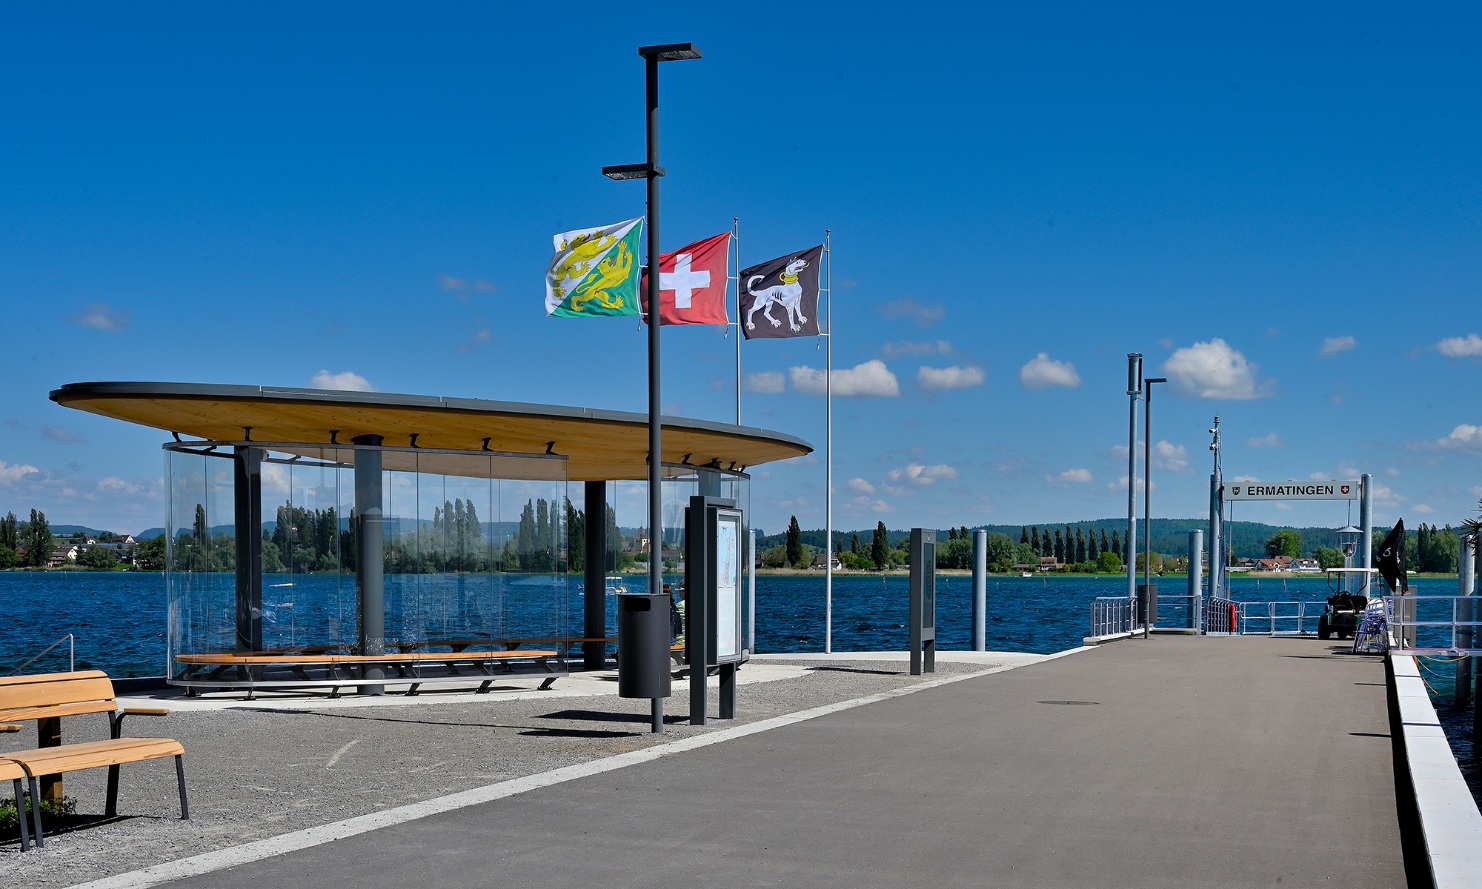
[1233, 620]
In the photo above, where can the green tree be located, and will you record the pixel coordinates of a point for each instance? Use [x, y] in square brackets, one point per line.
[1110, 562]
[880, 547]
[1023, 534]
[1080, 546]
[1034, 541]
[1328, 557]
[10, 538]
[854, 544]
[149, 555]
[1093, 551]
[98, 558]
[1286, 542]
[1117, 548]
[8, 558]
[794, 544]
[576, 538]
[38, 540]
[1059, 550]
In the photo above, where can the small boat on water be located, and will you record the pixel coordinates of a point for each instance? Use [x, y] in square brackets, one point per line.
[615, 585]
[1025, 574]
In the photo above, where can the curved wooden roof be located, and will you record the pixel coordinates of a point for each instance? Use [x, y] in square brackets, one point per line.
[598, 445]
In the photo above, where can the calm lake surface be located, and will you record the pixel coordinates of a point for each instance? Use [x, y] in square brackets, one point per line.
[118, 619]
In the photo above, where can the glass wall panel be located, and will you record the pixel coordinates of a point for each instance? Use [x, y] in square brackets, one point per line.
[200, 554]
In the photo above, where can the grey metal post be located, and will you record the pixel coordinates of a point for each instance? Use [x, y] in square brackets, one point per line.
[709, 482]
[247, 508]
[655, 450]
[370, 580]
[1147, 494]
[697, 616]
[1216, 547]
[923, 601]
[1196, 581]
[980, 590]
[1366, 523]
[594, 583]
[1134, 389]
[1465, 581]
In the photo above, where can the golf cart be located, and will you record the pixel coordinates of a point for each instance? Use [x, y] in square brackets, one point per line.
[1341, 617]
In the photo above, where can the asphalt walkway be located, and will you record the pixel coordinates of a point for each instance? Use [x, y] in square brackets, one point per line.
[1175, 761]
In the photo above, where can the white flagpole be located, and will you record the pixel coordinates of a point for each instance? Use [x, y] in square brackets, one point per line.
[736, 236]
[828, 460]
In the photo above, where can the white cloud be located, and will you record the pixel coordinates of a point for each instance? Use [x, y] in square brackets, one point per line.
[12, 472]
[903, 347]
[1121, 484]
[1269, 440]
[1465, 437]
[118, 485]
[1469, 346]
[870, 378]
[1171, 457]
[1335, 344]
[1042, 372]
[1475, 490]
[101, 316]
[1391, 472]
[954, 377]
[476, 339]
[1213, 370]
[918, 474]
[862, 486]
[62, 435]
[868, 505]
[1070, 476]
[1422, 509]
[768, 382]
[345, 380]
[923, 315]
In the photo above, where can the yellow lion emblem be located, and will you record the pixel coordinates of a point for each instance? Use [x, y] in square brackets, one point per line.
[612, 272]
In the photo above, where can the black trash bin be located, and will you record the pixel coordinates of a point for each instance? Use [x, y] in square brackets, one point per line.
[643, 645]
[1147, 604]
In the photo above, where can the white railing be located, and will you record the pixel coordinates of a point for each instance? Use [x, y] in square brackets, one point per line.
[1110, 615]
[1221, 615]
[1459, 629]
[71, 655]
[1280, 618]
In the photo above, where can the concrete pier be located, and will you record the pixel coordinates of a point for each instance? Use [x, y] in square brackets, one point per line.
[1177, 761]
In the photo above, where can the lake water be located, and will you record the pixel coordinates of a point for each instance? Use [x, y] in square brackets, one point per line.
[118, 619]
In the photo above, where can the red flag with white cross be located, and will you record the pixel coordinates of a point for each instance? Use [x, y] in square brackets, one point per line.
[692, 283]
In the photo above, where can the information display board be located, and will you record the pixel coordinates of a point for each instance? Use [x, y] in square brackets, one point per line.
[727, 562]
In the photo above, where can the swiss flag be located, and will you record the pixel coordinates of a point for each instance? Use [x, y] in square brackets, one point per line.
[692, 283]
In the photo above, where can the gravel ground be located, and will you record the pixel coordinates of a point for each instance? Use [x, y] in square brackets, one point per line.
[263, 769]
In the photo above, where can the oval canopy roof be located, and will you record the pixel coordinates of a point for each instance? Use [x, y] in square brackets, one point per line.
[598, 445]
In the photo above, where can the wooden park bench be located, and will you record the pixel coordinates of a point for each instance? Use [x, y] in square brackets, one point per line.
[45, 699]
[341, 670]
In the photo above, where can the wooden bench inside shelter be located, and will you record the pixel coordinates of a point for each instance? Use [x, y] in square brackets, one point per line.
[45, 699]
[253, 669]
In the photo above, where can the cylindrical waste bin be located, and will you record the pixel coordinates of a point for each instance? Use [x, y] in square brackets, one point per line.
[1147, 604]
[643, 645]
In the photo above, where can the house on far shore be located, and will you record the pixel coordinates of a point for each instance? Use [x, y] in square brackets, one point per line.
[63, 555]
[819, 565]
[1306, 566]
[1049, 563]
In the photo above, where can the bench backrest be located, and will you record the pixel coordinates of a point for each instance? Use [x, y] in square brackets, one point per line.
[47, 695]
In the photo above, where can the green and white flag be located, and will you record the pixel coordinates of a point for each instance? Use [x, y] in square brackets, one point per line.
[595, 272]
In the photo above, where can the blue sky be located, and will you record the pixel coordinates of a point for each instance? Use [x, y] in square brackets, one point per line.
[1279, 207]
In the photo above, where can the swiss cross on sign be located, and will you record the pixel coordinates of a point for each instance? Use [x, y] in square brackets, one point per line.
[692, 283]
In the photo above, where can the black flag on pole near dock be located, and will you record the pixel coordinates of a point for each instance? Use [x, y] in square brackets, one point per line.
[1390, 560]
[784, 292]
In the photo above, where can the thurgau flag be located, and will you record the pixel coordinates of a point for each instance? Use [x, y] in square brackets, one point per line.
[779, 297]
[595, 271]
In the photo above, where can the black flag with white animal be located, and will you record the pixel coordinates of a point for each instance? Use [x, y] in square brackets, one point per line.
[1390, 560]
[779, 297]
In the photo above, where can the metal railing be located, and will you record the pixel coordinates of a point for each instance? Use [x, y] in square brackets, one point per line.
[1110, 615]
[1221, 615]
[71, 655]
[1280, 618]
[1427, 616]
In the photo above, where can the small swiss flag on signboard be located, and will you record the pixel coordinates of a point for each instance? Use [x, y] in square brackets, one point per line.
[692, 283]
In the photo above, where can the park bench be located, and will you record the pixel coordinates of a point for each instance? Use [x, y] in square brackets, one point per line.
[45, 699]
[252, 670]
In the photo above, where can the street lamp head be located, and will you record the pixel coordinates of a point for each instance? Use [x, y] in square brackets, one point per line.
[670, 52]
[631, 171]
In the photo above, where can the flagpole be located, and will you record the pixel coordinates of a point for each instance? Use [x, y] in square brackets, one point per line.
[736, 236]
[828, 459]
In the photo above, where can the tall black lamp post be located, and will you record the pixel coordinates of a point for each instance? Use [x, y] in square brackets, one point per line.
[650, 170]
[1147, 502]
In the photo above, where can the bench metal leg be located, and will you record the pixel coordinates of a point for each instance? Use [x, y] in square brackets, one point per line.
[483, 688]
[36, 812]
[180, 779]
[412, 692]
[111, 808]
[20, 814]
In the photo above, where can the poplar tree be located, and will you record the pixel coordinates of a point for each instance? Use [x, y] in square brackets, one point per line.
[1080, 545]
[1023, 534]
[794, 544]
[880, 546]
[1093, 552]
[1059, 550]
[9, 537]
[1116, 545]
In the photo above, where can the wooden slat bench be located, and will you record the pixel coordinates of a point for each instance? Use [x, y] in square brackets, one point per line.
[51, 696]
[341, 669]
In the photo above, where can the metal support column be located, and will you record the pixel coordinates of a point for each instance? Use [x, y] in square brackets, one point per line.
[1134, 391]
[594, 584]
[247, 503]
[980, 590]
[1196, 585]
[923, 604]
[1216, 538]
[1466, 586]
[370, 566]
